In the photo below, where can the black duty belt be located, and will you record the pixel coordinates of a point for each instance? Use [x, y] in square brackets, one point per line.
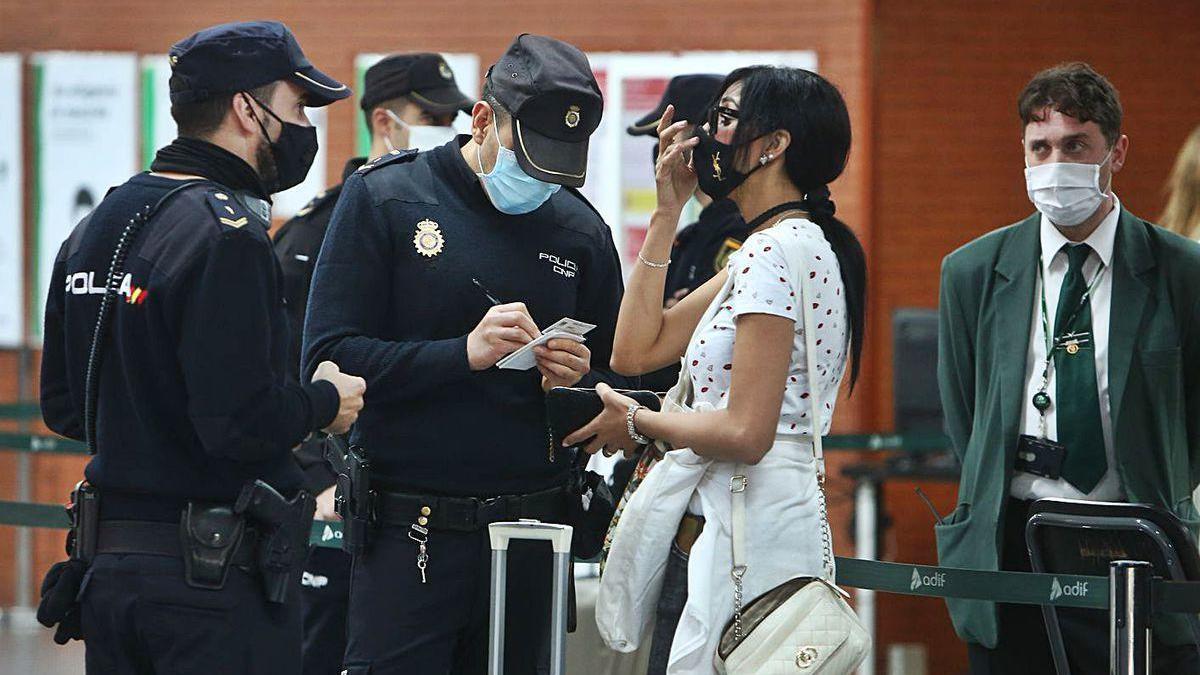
[143, 537]
[467, 514]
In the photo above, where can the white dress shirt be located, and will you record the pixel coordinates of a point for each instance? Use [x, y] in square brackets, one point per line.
[1054, 269]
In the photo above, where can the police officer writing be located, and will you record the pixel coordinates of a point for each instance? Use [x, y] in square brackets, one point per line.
[165, 349]
[408, 100]
[420, 248]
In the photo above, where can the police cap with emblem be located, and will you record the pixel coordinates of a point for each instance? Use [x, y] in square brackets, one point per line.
[425, 78]
[235, 57]
[548, 87]
[692, 95]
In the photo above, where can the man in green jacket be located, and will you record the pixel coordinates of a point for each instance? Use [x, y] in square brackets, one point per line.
[1069, 366]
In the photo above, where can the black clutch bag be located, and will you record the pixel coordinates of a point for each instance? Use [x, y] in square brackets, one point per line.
[569, 408]
[590, 501]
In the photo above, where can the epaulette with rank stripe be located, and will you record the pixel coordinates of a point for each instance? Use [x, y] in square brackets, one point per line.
[391, 158]
[227, 209]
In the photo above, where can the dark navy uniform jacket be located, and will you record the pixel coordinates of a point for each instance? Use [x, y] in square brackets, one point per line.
[194, 397]
[393, 301]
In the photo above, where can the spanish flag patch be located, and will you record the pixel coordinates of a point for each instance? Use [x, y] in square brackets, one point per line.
[137, 296]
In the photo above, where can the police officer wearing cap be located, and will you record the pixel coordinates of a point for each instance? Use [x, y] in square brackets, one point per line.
[165, 350]
[409, 101]
[437, 265]
[701, 248]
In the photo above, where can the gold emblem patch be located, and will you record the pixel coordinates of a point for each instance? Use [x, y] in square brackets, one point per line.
[727, 250]
[718, 174]
[428, 240]
[445, 70]
[573, 117]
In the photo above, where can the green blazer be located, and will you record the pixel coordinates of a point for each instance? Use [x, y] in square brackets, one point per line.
[985, 311]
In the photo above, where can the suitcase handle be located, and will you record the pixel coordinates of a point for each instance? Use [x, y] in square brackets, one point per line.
[559, 537]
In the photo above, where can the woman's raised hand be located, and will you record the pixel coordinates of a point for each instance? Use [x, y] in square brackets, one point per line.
[673, 171]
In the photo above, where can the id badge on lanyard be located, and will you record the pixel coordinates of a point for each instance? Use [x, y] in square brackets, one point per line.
[1039, 455]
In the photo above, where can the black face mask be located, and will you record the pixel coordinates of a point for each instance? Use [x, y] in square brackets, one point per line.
[712, 161]
[292, 153]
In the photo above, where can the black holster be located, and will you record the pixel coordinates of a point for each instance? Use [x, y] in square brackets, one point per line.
[62, 587]
[209, 534]
[284, 526]
[353, 500]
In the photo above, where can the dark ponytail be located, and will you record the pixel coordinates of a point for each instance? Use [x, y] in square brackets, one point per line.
[813, 112]
[853, 263]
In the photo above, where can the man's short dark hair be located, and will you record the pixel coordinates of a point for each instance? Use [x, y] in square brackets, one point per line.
[489, 97]
[396, 105]
[202, 118]
[1075, 90]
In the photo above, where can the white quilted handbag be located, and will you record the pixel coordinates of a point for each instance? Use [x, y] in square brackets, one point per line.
[804, 625]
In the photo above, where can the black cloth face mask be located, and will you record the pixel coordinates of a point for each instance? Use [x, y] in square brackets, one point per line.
[293, 152]
[712, 161]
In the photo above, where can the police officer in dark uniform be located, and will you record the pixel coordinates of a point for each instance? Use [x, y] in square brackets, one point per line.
[408, 100]
[165, 350]
[435, 266]
[702, 248]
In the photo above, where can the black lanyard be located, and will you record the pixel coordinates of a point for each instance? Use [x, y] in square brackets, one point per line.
[774, 211]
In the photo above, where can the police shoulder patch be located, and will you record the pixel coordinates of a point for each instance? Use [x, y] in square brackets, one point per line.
[227, 209]
[393, 157]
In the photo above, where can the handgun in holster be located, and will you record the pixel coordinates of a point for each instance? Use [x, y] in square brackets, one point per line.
[284, 526]
[84, 512]
[353, 499]
[64, 581]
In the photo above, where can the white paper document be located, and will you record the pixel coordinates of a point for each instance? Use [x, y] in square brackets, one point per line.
[567, 329]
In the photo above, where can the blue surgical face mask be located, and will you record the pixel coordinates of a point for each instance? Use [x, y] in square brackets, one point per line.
[511, 190]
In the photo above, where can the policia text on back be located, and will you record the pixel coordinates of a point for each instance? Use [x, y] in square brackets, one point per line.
[165, 349]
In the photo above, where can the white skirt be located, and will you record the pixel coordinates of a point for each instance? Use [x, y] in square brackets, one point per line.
[783, 541]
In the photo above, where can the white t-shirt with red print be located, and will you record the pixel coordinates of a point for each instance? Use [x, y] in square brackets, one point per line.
[762, 284]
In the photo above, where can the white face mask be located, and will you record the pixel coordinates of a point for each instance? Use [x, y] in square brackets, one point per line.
[421, 137]
[1065, 192]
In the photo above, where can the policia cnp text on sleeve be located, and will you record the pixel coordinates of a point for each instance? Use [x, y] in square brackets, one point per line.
[201, 518]
[453, 442]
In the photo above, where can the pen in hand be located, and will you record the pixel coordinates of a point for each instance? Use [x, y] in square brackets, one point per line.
[487, 294]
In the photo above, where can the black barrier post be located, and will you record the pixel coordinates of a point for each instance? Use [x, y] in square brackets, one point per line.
[1129, 617]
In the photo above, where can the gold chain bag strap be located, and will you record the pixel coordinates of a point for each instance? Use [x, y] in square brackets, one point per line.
[803, 625]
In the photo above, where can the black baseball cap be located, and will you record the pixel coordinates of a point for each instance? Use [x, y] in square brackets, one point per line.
[235, 57]
[691, 96]
[425, 78]
[548, 87]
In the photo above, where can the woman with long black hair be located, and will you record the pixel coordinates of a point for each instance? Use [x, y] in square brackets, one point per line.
[774, 140]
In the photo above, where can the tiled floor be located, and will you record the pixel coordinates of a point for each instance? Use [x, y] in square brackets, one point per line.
[27, 647]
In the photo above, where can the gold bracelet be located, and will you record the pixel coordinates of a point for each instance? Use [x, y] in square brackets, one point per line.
[657, 266]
